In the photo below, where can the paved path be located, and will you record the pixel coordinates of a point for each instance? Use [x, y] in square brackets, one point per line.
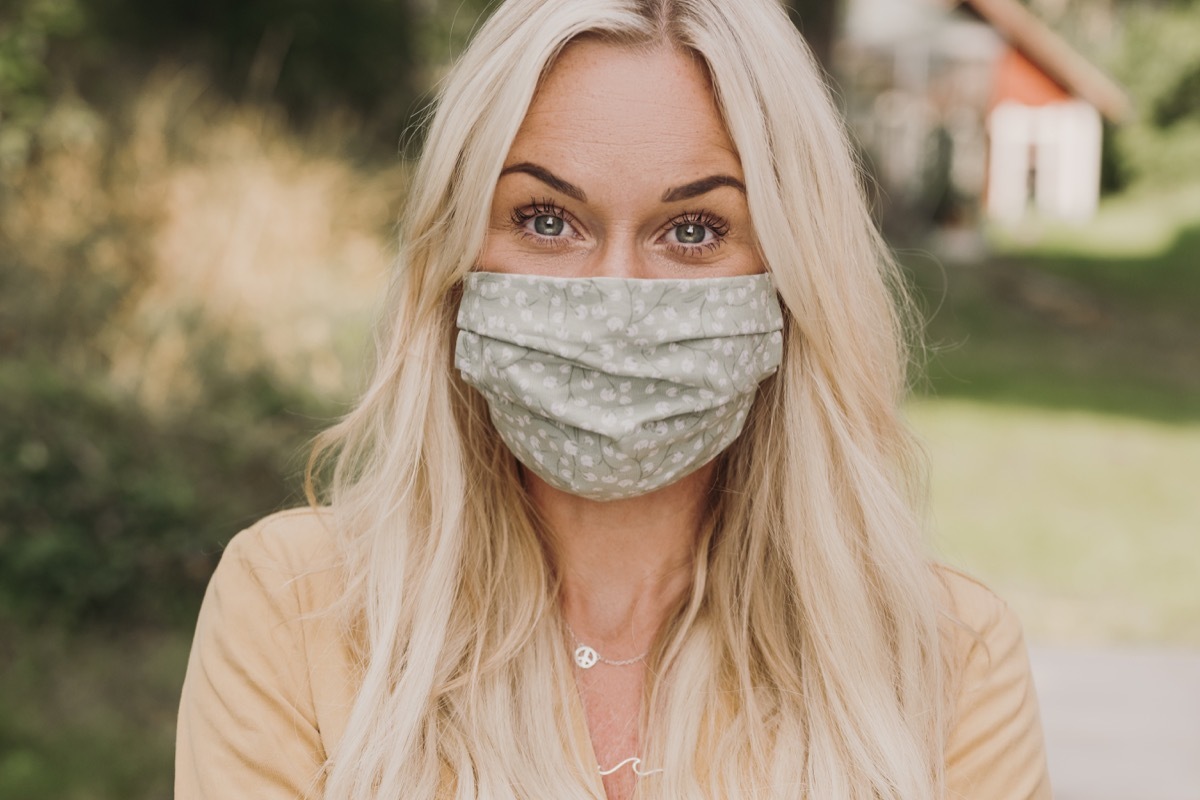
[1120, 724]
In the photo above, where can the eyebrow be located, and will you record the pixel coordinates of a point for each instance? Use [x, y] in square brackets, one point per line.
[547, 177]
[702, 186]
[685, 192]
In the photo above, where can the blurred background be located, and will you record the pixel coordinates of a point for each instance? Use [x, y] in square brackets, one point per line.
[197, 212]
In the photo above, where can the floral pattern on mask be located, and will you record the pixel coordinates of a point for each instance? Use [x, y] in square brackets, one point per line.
[613, 387]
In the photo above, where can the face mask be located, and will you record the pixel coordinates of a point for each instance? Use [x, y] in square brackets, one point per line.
[610, 387]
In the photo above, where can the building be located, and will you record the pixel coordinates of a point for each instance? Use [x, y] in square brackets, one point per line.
[976, 107]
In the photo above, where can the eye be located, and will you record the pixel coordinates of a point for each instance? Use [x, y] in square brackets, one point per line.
[542, 220]
[547, 225]
[695, 232]
[691, 233]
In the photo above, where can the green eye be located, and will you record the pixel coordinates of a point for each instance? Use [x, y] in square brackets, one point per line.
[690, 233]
[547, 225]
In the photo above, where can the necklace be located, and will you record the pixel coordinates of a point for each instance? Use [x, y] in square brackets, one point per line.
[586, 657]
[636, 766]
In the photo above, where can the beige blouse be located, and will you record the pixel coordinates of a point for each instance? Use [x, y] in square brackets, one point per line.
[270, 681]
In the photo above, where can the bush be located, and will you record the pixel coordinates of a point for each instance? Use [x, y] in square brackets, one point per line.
[139, 431]
[112, 514]
[1159, 68]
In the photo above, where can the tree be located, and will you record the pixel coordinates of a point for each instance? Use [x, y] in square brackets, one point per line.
[817, 20]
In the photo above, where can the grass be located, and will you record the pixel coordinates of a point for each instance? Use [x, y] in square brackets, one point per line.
[1099, 317]
[1135, 226]
[88, 716]
[1085, 522]
[1058, 331]
[1062, 416]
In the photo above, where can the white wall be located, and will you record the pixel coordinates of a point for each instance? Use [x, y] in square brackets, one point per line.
[1059, 145]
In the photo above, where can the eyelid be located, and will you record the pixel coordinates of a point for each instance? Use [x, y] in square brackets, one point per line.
[716, 224]
[544, 206]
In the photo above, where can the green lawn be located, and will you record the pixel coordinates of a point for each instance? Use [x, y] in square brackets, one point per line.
[1088, 523]
[89, 716]
[1057, 331]
[1061, 410]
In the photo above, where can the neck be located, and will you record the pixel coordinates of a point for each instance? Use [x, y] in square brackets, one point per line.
[626, 564]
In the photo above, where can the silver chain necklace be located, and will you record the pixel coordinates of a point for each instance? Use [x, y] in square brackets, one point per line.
[586, 657]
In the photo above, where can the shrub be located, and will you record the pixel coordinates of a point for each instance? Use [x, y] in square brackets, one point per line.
[113, 514]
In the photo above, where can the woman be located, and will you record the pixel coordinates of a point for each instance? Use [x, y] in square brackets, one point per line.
[628, 507]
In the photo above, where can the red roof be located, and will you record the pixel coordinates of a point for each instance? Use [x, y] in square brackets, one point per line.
[1050, 53]
[1021, 81]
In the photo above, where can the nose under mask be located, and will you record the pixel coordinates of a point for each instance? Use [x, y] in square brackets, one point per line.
[610, 388]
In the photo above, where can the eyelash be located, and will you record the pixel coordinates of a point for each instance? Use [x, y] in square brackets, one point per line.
[547, 207]
[538, 208]
[718, 226]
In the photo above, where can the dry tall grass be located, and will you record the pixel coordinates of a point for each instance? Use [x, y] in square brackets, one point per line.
[200, 219]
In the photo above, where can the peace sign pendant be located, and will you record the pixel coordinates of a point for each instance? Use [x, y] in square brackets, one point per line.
[586, 657]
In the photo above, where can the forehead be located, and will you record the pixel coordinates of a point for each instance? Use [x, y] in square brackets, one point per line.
[617, 115]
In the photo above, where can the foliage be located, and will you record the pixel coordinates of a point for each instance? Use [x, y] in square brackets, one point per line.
[313, 58]
[124, 471]
[1160, 67]
[1182, 100]
[88, 715]
[1062, 318]
[113, 515]
[310, 55]
[28, 29]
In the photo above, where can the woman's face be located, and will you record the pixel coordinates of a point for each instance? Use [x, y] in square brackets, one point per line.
[622, 168]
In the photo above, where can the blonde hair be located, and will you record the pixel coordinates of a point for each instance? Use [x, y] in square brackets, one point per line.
[805, 662]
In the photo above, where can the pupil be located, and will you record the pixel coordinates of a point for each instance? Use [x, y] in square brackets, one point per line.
[547, 225]
[690, 233]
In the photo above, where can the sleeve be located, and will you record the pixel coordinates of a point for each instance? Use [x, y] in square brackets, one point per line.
[247, 726]
[996, 750]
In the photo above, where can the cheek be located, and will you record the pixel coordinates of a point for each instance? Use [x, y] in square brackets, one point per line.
[503, 251]
[752, 266]
[751, 260]
[499, 259]
[745, 261]
[502, 246]
[491, 258]
[500, 252]
[748, 256]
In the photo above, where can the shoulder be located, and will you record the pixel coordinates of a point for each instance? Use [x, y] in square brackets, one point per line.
[969, 604]
[293, 553]
[299, 541]
[982, 636]
[995, 747]
[266, 679]
[295, 536]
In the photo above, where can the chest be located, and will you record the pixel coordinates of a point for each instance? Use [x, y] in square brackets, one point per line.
[612, 705]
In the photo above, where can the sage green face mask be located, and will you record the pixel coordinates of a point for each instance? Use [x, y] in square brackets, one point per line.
[612, 387]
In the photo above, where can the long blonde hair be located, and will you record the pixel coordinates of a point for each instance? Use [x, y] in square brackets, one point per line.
[805, 662]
